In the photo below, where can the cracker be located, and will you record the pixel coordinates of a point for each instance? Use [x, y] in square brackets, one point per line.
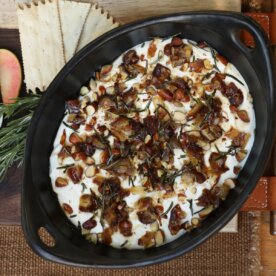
[97, 23]
[41, 43]
[72, 19]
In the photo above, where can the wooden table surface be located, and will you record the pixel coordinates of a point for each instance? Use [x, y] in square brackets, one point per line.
[124, 11]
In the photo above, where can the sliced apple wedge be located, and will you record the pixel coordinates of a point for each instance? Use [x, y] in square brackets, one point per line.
[10, 76]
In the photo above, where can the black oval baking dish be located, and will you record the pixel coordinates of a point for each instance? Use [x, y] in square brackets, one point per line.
[40, 207]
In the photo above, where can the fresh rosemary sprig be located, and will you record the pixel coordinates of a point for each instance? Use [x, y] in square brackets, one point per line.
[168, 210]
[233, 77]
[13, 134]
[232, 150]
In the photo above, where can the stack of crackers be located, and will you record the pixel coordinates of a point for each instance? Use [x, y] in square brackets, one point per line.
[52, 31]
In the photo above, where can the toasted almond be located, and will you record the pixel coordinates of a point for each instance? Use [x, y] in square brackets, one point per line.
[137, 190]
[147, 139]
[230, 182]
[159, 237]
[193, 190]
[154, 226]
[205, 212]
[90, 110]
[84, 90]
[195, 221]
[207, 64]
[90, 161]
[110, 90]
[61, 182]
[92, 84]
[67, 208]
[179, 116]
[92, 237]
[95, 96]
[90, 171]
[75, 138]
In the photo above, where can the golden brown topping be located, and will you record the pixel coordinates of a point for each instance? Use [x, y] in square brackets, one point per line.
[63, 138]
[73, 106]
[148, 240]
[197, 65]
[75, 138]
[217, 162]
[177, 215]
[88, 203]
[234, 94]
[121, 128]
[75, 173]
[161, 72]
[152, 49]
[67, 208]
[125, 228]
[89, 224]
[61, 182]
[107, 236]
[243, 115]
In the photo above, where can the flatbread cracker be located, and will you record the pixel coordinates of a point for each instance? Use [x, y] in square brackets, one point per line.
[72, 19]
[97, 23]
[41, 43]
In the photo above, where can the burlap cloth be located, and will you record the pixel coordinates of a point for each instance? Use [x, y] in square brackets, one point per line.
[224, 254]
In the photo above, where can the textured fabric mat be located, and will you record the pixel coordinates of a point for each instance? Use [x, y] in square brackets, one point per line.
[224, 254]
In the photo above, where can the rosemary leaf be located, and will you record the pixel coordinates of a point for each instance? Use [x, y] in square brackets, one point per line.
[65, 166]
[233, 77]
[13, 134]
[167, 211]
[191, 206]
[69, 126]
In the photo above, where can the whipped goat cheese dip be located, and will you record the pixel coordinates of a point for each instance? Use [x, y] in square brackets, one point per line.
[153, 144]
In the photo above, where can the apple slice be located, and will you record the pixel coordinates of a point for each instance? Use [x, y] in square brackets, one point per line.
[10, 76]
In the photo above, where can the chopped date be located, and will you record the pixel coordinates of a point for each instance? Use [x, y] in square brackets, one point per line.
[147, 216]
[87, 149]
[144, 203]
[75, 138]
[73, 106]
[234, 94]
[175, 219]
[107, 236]
[176, 41]
[197, 65]
[130, 57]
[89, 224]
[161, 72]
[165, 94]
[209, 197]
[125, 228]
[151, 124]
[75, 173]
[217, 162]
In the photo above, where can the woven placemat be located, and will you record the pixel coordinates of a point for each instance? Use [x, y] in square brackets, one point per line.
[224, 254]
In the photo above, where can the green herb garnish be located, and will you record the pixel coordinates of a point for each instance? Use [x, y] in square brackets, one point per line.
[231, 151]
[191, 206]
[84, 187]
[69, 126]
[233, 77]
[167, 211]
[65, 166]
[13, 134]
